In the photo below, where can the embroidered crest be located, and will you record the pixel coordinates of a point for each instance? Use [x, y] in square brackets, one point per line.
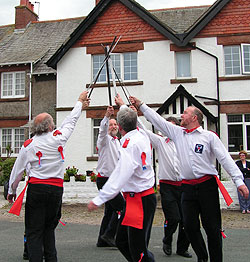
[125, 144]
[57, 132]
[27, 142]
[198, 148]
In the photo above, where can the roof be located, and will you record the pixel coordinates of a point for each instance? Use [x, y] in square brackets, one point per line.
[36, 43]
[45, 43]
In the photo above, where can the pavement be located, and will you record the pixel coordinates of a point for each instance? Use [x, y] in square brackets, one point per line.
[77, 242]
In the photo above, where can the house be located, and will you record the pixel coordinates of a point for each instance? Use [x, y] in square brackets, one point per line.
[28, 85]
[170, 58]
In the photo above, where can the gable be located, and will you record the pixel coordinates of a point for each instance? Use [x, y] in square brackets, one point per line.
[118, 20]
[232, 19]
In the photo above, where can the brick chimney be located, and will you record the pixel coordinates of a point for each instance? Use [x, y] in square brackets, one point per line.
[24, 14]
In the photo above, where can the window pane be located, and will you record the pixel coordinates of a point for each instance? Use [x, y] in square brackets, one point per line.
[234, 118]
[96, 125]
[247, 117]
[235, 138]
[232, 60]
[19, 139]
[116, 61]
[130, 66]
[6, 139]
[246, 55]
[248, 137]
[97, 62]
[20, 84]
[7, 88]
[183, 64]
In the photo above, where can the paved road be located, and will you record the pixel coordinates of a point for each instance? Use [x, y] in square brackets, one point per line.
[77, 243]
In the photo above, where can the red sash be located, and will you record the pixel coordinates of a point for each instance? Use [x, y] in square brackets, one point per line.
[134, 208]
[223, 190]
[170, 182]
[17, 205]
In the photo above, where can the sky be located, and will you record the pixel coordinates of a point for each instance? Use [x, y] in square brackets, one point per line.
[60, 9]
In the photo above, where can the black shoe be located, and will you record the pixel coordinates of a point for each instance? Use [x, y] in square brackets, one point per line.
[184, 254]
[102, 244]
[167, 249]
[25, 256]
[108, 240]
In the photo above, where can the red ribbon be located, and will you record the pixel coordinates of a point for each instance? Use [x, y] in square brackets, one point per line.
[224, 192]
[60, 150]
[190, 130]
[142, 255]
[223, 234]
[57, 132]
[143, 158]
[39, 155]
[125, 144]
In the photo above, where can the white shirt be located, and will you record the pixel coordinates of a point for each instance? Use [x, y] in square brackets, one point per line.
[51, 160]
[197, 150]
[169, 164]
[129, 175]
[108, 148]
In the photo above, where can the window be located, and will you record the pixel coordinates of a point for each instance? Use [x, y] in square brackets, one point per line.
[238, 132]
[12, 139]
[13, 84]
[96, 126]
[125, 66]
[237, 59]
[183, 64]
[245, 58]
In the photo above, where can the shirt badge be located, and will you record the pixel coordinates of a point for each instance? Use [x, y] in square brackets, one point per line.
[199, 148]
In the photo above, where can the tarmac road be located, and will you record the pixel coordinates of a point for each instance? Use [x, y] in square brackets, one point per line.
[76, 242]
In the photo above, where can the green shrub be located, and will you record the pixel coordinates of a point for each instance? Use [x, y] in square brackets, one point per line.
[6, 167]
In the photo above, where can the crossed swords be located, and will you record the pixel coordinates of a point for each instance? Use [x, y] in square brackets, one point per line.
[108, 62]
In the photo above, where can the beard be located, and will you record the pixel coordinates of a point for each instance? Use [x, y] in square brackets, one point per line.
[113, 132]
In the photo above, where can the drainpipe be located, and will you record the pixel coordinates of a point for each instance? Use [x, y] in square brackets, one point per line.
[217, 85]
[218, 166]
[30, 99]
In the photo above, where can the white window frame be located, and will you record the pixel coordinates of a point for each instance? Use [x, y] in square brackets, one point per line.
[176, 65]
[121, 68]
[95, 127]
[12, 140]
[244, 131]
[238, 74]
[14, 78]
[243, 60]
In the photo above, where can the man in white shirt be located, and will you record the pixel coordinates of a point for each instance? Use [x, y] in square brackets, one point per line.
[43, 155]
[170, 190]
[134, 176]
[197, 150]
[108, 146]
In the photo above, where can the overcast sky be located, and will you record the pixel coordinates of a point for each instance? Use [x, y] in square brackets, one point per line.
[59, 9]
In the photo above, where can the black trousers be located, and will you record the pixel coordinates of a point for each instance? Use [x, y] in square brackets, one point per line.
[42, 214]
[133, 242]
[111, 208]
[171, 206]
[202, 201]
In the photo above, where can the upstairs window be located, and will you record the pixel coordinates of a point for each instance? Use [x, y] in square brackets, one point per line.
[237, 59]
[124, 64]
[183, 68]
[96, 126]
[13, 84]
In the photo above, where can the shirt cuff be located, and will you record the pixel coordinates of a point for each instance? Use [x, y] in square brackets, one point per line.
[97, 201]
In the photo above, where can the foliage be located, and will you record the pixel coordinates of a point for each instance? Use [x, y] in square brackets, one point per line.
[66, 177]
[71, 171]
[80, 177]
[93, 177]
[6, 167]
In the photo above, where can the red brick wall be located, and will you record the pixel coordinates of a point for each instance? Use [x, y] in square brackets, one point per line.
[118, 20]
[232, 19]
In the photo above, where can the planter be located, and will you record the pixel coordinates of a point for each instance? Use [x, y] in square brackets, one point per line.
[66, 177]
[80, 178]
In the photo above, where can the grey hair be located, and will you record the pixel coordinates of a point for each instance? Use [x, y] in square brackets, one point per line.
[127, 119]
[199, 114]
[38, 128]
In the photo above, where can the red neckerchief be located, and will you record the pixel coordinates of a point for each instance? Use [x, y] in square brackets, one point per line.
[190, 130]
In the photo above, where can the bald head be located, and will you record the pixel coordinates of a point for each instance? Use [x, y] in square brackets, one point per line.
[191, 117]
[42, 123]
